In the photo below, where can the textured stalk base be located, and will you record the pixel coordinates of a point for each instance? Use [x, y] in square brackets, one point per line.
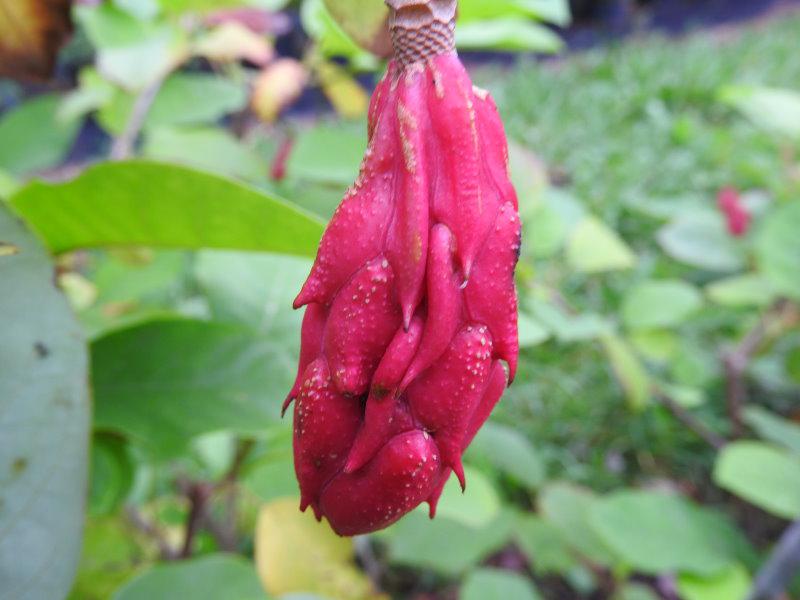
[422, 29]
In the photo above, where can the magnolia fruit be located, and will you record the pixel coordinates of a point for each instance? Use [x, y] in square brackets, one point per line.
[410, 331]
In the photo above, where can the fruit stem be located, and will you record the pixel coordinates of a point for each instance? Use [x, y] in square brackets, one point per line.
[422, 29]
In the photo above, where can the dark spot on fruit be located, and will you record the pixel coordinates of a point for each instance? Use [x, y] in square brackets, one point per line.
[42, 351]
[19, 465]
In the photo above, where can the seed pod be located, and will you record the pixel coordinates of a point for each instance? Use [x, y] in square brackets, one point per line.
[410, 333]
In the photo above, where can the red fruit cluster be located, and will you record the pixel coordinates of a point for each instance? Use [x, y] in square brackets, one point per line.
[736, 214]
[410, 331]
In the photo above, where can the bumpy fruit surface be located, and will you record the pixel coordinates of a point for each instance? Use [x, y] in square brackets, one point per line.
[410, 331]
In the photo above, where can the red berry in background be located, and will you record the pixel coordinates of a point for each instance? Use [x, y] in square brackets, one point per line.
[410, 331]
[736, 214]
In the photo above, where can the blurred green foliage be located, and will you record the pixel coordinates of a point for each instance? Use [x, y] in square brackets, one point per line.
[652, 432]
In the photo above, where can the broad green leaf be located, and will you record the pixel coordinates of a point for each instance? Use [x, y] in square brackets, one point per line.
[132, 53]
[567, 507]
[365, 21]
[443, 545]
[569, 328]
[476, 508]
[553, 11]
[507, 33]
[112, 554]
[660, 303]
[629, 370]
[256, 290]
[655, 533]
[531, 331]
[294, 553]
[509, 451]
[544, 545]
[44, 423]
[210, 577]
[700, 239]
[775, 110]
[595, 248]
[657, 345]
[328, 154]
[732, 582]
[33, 139]
[331, 39]
[778, 249]
[141, 9]
[112, 471]
[151, 204]
[742, 290]
[164, 382]
[763, 475]
[273, 476]
[497, 584]
[184, 99]
[213, 149]
[93, 93]
[773, 428]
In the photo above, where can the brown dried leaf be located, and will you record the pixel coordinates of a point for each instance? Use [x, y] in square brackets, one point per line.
[31, 33]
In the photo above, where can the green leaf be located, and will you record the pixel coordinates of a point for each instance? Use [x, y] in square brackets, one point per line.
[331, 39]
[763, 475]
[44, 428]
[212, 577]
[554, 11]
[507, 33]
[151, 204]
[112, 471]
[629, 371]
[775, 110]
[733, 582]
[477, 508]
[659, 533]
[497, 584]
[443, 545]
[773, 428]
[700, 239]
[365, 21]
[544, 546]
[531, 331]
[210, 148]
[778, 249]
[112, 554]
[660, 303]
[164, 382]
[40, 141]
[636, 591]
[569, 328]
[741, 291]
[595, 248]
[327, 154]
[567, 507]
[509, 451]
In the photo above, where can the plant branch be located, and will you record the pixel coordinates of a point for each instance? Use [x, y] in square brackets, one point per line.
[165, 550]
[782, 566]
[711, 437]
[123, 145]
[737, 360]
[198, 494]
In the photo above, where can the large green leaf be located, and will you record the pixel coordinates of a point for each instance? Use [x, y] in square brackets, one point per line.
[363, 20]
[778, 249]
[567, 507]
[595, 248]
[544, 545]
[661, 533]
[762, 474]
[732, 582]
[507, 33]
[700, 239]
[213, 577]
[44, 423]
[477, 508]
[776, 110]
[497, 584]
[165, 382]
[152, 204]
[773, 428]
[509, 451]
[660, 303]
[33, 139]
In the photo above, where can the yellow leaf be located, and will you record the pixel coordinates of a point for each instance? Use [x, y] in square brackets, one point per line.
[278, 86]
[366, 21]
[294, 553]
[347, 96]
[31, 32]
[231, 42]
